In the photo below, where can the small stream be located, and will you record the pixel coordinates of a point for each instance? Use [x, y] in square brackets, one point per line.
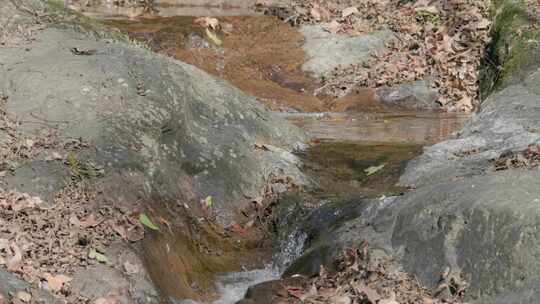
[347, 144]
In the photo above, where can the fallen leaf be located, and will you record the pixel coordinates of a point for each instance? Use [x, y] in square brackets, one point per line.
[426, 300]
[14, 263]
[208, 201]
[349, 11]
[213, 37]
[295, 292]
[320, 14]
[371, 294]
[88, 222]
[56, 283]
[145, 220]
[373, 169]
[100, 257]
[332, 26]
[315, 13]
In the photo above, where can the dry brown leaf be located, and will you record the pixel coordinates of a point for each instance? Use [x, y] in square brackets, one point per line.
[316, 14]
[320, 13]
[88, 222]
[426, 300]
[332, 26]
[14, 263]
[56, 283]
[371, 294]
[349, 11]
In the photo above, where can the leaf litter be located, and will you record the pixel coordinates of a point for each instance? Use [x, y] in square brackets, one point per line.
[440, 40]
[44, 244]
[361, 278]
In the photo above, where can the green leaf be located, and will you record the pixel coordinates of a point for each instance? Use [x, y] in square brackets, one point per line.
[100, 257]
[145, 220]
[72, 161]
[208, 201]
[373, 169]
[213, 37]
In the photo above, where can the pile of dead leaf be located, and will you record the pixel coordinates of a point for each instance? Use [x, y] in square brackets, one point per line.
[364, 280]
[45, 243]
[528, 159]
[442, 40]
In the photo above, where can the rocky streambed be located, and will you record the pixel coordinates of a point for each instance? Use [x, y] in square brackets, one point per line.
[184, 188]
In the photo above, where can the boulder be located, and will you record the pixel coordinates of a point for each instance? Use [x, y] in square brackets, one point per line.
[327, 51]
[191, 135]
[150, 128]
[417, 95]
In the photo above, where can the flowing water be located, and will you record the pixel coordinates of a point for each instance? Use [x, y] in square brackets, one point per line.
[262, 56]
[233, 286]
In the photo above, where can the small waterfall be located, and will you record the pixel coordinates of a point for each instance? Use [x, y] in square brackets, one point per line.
[291, 247]
[233, 286]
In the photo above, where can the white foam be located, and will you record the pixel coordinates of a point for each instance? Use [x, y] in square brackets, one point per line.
[233, 286]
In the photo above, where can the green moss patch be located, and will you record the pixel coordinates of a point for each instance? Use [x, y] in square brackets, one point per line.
[514, 48]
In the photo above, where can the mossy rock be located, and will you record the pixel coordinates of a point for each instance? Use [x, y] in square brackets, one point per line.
[514, 48]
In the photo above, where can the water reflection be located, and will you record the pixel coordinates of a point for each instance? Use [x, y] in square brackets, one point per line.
[395, 126]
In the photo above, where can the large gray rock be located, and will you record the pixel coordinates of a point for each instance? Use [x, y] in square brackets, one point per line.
[192, 135]
[326, 51]
[160, 129]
